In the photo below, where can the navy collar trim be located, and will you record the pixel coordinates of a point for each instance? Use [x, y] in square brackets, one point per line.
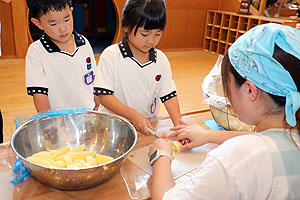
[51, 47]
[126, 52]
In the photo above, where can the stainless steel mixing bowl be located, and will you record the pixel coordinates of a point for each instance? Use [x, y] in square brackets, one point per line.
[105, 133]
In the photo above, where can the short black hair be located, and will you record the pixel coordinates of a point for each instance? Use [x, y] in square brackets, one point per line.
[150, 14]
[37, 8]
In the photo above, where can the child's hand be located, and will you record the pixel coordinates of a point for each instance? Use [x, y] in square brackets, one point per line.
[141, 123]
[192, 133]
[161, 144]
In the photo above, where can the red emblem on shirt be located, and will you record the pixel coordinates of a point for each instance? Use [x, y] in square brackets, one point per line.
[88, 60]
[157, 77]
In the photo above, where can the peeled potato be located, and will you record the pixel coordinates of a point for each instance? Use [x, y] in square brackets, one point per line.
[101, 159]
[53, 162]
[91, 161]
[53, 154]
[62, 151]
[79, 148]
[176, 145]
[82, 155]
[173, 155]
[45, 154]
[60, 164]
[78, 164]
[40, 161]
[66, 157]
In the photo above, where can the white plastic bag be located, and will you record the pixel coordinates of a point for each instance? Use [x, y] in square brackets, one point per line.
[212, 87]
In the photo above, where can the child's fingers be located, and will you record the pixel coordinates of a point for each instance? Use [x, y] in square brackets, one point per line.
[149, 125]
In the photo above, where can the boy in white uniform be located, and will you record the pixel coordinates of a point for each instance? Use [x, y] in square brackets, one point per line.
[60, 65]
[133, 76]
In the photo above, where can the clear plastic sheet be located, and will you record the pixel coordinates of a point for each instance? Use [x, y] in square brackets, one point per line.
[7, 160]
[137, 180]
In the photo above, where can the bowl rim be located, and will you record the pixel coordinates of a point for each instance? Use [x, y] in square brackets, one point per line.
[75, 169]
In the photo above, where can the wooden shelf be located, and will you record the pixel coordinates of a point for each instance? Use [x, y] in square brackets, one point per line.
[223, 28]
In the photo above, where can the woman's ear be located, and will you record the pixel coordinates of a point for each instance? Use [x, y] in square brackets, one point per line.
[37, 23]
[252, 90]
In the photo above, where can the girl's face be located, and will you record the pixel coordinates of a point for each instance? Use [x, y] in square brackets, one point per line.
[144, 40]
[57, 24]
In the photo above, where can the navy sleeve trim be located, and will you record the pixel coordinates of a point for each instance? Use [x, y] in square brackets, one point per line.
[102, 91]
[39, 90]
[168, 97]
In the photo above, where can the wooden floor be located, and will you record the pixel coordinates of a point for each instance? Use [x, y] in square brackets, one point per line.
[188, 67]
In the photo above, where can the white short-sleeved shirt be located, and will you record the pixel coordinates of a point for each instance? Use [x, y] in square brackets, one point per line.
[139, 86]
[240, 168]
[66, 78]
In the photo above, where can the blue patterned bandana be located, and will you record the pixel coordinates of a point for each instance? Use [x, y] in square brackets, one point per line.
[252, 57]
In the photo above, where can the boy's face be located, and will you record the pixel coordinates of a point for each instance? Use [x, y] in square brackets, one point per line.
[57, 24]
[144, 40]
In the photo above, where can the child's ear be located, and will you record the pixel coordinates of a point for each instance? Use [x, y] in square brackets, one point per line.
[252, 90]
[126, 29]
[37, 23]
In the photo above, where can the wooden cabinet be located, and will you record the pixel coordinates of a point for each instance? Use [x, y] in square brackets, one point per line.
[14, 37]
[223, 28]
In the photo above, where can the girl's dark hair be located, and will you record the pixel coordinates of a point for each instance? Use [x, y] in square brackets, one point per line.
[37, 8]
[150, 14]
[288, 61]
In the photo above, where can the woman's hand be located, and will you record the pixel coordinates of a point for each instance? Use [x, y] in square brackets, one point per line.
[161, 144]
[194, 134]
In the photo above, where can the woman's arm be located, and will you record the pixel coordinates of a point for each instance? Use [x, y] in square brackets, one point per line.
[199, 136]
[162, 179]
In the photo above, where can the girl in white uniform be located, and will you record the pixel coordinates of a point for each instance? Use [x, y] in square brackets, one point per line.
[132, 76]
[261, 77]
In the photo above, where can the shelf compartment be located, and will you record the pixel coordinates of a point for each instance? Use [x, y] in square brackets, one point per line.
[206, 45]
[252, 23]
[208, 31]
[217, 19]
[215, 33]
[234, 20]
[210, 17]
[243, 23]
[238, 35]
[223, 34]
[221, 48]
[231, 36]
[227, 47]
[213, 46]
[225, 20]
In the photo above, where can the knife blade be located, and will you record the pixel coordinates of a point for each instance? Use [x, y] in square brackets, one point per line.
[152, 132]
